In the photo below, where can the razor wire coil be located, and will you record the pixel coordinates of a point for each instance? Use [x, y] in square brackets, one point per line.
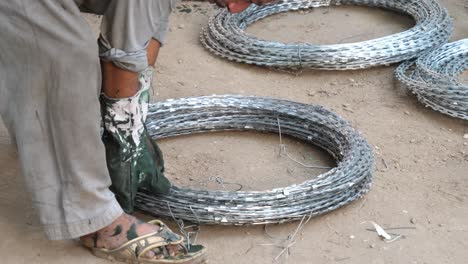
[225, 36]
[434, 78]
[346, 182]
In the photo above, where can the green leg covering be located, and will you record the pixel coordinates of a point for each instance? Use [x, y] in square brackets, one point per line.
[133, 158]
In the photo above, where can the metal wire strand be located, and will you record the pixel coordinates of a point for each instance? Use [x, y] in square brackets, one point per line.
[313, 124]
[225, 37]
[434, 78]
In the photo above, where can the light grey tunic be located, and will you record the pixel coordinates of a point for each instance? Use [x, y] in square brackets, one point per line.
[50, 80]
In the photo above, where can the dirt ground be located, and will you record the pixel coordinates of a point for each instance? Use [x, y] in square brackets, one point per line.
[421, 181]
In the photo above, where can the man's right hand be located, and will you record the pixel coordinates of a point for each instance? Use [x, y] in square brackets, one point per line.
[236, 6]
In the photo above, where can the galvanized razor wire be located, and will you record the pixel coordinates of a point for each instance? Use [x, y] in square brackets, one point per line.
[346, 182]
[225, 37]
[434, 78]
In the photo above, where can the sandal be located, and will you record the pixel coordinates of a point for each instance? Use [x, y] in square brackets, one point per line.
[134, 250]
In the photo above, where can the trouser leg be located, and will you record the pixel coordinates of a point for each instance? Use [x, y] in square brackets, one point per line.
[49, 87]
[133, 159]
[127, 28]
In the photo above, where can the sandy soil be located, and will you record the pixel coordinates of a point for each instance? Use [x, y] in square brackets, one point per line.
[421, 181]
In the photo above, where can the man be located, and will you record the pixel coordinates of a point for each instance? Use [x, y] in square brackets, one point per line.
[52, 73]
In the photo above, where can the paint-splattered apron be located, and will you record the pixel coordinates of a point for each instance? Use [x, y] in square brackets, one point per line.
[133, 158]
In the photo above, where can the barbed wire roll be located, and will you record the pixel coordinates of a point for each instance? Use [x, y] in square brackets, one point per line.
[434, 78]
[346, 182]
[225, 37]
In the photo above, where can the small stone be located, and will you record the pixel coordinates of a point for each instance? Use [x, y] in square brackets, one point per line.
[465, 144]
[412, 140]
[181, 83]
[372, 246]
[465, 136]
[311, 93]
[413, 220]
[351, 80]
[247, 232]
[441, 225]
[180, 61]
[181, 26]
[191, 179]
[352, 237]
[407, 113]
[333, 83]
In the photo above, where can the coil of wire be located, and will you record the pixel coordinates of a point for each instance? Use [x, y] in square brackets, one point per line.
[346, 182]
[434, 78]
[225, 37]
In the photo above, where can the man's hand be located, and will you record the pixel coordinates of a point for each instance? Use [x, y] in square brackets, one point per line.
[236, 6]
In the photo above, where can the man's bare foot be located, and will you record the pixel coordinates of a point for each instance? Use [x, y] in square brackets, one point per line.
[122, 230]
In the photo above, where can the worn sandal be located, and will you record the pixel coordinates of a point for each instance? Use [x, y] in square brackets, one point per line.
[134, 250]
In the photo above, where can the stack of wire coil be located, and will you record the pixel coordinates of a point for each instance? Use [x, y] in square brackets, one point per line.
[225, 37]
[346, 182]
[434, 78]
